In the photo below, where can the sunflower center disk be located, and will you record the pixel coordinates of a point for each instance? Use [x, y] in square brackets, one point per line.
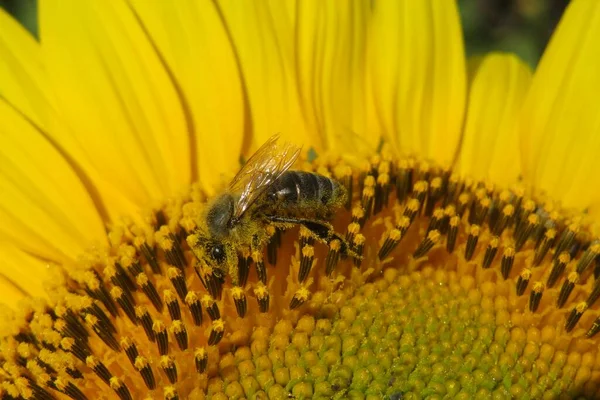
[462, 290]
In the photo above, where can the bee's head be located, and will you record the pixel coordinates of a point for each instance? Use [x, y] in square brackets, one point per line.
[210, 251]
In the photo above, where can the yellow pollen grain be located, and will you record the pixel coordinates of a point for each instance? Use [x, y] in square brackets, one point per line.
[207, 300]
[303, 293]
[358, 212]
[237, 292]
[420, 186]
[383, 179]
[166, 362]
[434, 236]
[573, 277]
[169, 296]
[494, 242]
[191, 298]
[574, 227]
[403, 222]
[261, 291]
[140, 311]
[529, 205]
[218, 325]
[125, 342]
[140, 363]
[177, 327]
[354, 228]
[395, 234]
[335, 245]
[165, 243]
[474, 230]
[564, 257]
[91, 319]
[115, 383]
[116, 292]
[142, 279]
[359, 239]
[526, 274]
[508, 210]
[533, 219]
[509, 252]
[109, 271]
[91, 362]
[538, 287]
[369, 182]
[454, 221]
[485, 202]
[438, 213]
[304, 232]
[158, 327]
[308, 251]
[413, 205]
[581, 307]
[139, 241]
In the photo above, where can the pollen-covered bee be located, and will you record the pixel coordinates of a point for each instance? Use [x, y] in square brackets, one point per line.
[264, 193]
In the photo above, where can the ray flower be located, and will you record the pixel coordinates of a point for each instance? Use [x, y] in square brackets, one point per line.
[472, 201]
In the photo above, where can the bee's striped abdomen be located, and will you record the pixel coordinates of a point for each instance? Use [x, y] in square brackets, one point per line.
[299, 188]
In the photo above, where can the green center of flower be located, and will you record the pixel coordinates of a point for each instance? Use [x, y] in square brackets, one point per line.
[461, 291]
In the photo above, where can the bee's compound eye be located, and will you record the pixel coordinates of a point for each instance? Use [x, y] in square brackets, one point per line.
[218, 253]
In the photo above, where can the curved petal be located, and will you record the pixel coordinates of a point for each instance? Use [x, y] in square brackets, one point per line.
[20, 275]
[124, 121]
[331, 61]
[22, 78]
[490, 145]
[418, 75]
[560, 124]
[263, 36]
[44, 208]
[304, 67]
[194, 44]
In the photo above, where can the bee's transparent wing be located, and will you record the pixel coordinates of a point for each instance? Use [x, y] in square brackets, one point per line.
[260, 171]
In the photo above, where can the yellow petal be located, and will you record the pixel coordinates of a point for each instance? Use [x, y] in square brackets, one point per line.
[194, 43]
[21, 275]
[22, 78]
[124, 120]
[419, 77]
[560, 124]
[331, 58]
[263, 35]
[25, 86]
[490, 145]
[44, 207]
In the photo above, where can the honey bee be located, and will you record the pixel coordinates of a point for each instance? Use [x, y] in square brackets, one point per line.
[265, 192]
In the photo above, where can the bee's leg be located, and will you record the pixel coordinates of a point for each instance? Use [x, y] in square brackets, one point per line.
[322, 230]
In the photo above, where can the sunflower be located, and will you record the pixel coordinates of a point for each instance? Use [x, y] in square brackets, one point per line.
[471, 200]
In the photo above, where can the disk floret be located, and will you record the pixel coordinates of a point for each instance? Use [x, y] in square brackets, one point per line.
[434, 286]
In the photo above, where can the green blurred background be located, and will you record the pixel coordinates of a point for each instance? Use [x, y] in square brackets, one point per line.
[519, 26]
